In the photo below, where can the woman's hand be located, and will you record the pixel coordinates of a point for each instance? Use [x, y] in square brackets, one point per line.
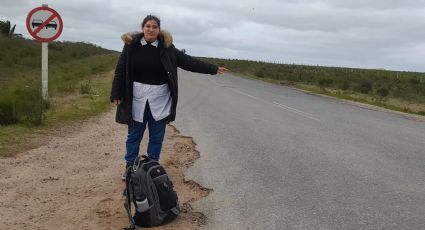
[116, 102]
[221, 70]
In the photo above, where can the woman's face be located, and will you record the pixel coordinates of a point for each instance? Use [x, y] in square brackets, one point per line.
[151, 30]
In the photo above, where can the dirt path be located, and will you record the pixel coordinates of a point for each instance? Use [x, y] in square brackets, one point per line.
[74, 180]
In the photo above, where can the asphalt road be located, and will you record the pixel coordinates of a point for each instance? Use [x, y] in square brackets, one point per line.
[278, 158]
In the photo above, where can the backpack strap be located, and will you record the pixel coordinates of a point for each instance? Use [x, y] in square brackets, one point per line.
[127, 204]
[132, 224]
[175, 210]
[136, 164]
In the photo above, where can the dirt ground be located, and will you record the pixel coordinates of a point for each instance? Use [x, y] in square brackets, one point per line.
[73, 180]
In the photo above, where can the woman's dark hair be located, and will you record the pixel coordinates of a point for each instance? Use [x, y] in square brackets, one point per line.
[151, 17]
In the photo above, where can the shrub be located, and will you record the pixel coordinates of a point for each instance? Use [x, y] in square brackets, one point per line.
[28, 105]
[414, 81]
[364, 87]
[261, 73]
[8, 113]
[324, 82]
[292, 78]
[344, 85]
[382, 92]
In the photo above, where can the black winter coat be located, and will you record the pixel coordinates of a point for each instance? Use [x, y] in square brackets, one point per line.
[171, 58]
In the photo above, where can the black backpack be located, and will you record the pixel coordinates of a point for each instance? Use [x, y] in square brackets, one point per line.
[152, 193]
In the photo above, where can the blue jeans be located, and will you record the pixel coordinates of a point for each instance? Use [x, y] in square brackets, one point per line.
[135, 135]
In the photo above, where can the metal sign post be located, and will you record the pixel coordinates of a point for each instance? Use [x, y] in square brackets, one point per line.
[44, 70]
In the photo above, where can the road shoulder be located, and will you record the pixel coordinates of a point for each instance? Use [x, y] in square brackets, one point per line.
[73, 180]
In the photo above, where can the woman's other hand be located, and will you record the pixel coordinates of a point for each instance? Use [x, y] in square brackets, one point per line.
[221, 70]
[116, 102]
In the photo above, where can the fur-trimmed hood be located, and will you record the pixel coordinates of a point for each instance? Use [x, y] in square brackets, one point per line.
[165, 36]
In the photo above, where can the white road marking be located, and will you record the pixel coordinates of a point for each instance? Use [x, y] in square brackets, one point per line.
[304, 114]
[256, 98]
[290, 109]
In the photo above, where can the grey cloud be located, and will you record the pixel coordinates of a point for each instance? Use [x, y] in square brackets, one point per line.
[373, 34]
[379, 4]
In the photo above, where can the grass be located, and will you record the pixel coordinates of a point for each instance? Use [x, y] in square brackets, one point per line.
[86, 103]
[384, 102]
[20, 99]
[392, 104]
[63, 110]
[80, 80]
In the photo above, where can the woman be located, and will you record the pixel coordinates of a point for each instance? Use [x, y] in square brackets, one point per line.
[145, 85]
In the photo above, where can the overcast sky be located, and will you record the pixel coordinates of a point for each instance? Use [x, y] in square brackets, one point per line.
[387, 34]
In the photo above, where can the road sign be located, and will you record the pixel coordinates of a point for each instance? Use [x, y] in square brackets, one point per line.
[44, 24]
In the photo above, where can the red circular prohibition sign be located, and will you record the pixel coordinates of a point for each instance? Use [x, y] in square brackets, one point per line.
[53, 16]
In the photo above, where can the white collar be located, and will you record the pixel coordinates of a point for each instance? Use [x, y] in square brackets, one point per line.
[144, 42]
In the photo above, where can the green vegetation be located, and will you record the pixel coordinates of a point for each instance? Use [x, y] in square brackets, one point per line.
[6, 28]
[79, 86]
[397, 90]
